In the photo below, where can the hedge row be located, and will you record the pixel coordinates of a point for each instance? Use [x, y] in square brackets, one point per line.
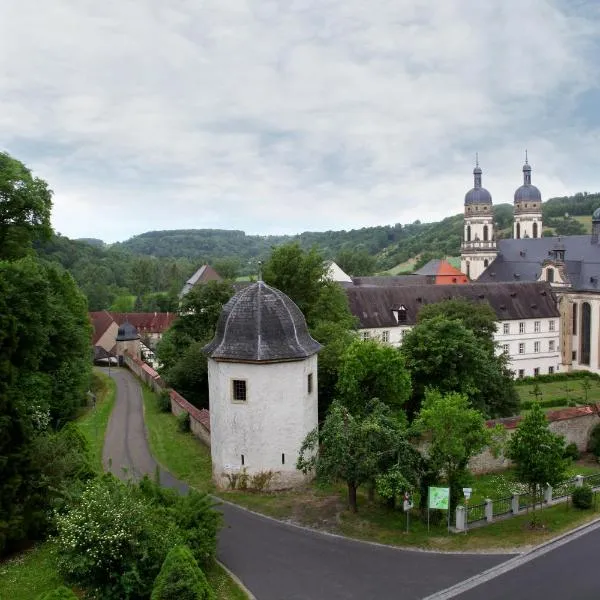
[557, 377]
[552, 402]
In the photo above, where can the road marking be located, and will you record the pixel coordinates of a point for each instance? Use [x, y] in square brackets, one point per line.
[513, 563]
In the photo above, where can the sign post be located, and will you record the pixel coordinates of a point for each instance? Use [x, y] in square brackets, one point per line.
[467, 492]
[407, 505]
[439, 499]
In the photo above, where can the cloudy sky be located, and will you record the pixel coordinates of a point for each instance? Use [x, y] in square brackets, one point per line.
[280, 116]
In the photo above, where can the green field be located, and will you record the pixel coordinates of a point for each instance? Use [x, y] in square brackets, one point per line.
[570, 389]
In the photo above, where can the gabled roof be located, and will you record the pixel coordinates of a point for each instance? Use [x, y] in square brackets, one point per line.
[373, 306]
[443, 272]
[146, 322]
[101, 321]
[391, 281]
[521, 260]
[202, 275]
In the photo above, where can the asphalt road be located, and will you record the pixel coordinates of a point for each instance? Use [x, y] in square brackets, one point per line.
[567, 572]
[277, 561]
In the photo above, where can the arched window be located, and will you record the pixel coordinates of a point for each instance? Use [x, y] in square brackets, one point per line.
[518, 235]
[586, 333]
[468, 233]
[485, 233]
[486, 262]
[469, 270]
[550, 274]
[535, 229]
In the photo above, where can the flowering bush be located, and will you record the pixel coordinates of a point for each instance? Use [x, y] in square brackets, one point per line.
[113, 541]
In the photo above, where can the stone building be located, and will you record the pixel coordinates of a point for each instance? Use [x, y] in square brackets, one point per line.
[262, 374]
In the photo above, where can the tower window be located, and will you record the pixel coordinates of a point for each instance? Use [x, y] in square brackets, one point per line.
[310, 383]
[238, 390]
[549, 275]
[468, 233]
[535, 229]
[485, 233]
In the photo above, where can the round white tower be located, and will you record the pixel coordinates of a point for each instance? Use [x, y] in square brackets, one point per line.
[262, 377]
[528, 208]
[478, 249]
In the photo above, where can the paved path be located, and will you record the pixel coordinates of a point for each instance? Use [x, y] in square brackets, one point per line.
[281, 562]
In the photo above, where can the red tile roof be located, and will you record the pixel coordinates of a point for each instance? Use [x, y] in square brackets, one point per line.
[101, 321]
[200, 414]
[553, 415]
[156, 322]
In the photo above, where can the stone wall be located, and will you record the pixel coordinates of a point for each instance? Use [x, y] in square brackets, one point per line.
[575, 424]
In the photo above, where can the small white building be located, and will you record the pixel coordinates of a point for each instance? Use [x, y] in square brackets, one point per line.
[528, 327]
[262, 374]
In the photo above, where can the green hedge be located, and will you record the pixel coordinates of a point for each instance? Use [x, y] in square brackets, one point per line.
[557, 377]
[552, 402]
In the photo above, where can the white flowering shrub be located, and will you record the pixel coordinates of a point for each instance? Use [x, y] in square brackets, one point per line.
[113, 542]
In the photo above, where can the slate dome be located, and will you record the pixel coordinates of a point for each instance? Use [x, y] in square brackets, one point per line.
[127, 332]
[478, 196]
[529, 193]
[261, 324]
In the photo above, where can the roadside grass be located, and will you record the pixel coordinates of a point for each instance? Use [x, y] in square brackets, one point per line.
[570, 388]
[94, 421]
[180, 453]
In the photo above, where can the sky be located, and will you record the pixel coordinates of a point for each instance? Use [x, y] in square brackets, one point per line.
[283, 116]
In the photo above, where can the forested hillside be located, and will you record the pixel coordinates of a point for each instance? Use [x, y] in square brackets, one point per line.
[147, 271]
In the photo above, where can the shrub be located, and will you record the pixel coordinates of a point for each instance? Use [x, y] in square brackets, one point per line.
[557, 377]
[571, 451]
[180, 578]
[60, 593]
[163, 401]
[113, 541]
[262, 480]
[594, 441]
[183, 422]
[583, 497]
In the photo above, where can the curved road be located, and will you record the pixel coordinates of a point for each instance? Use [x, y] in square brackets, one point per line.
[277, 561]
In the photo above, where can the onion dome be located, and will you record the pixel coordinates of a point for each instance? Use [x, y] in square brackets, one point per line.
[527, 192]
[261, 324]
[127, 332]
[478, 195]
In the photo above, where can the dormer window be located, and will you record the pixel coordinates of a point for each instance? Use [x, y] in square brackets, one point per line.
[400, 314]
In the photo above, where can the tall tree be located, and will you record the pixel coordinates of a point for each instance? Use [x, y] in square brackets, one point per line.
[356, 262]
[25, 205]
[458, 432]
[537, 452]
[369, 370]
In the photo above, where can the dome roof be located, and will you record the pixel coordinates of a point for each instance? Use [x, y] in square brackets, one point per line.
[127, 332]
[528, 192]
[596, 215]
[478, 195]
[260, 323]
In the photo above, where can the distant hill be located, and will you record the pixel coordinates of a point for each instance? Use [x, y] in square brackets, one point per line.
[92, 242]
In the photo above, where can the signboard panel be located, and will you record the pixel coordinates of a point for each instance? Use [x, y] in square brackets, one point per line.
[439, 498]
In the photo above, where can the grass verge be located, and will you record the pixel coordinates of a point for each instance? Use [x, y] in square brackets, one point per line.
[180, 453]
[94, 422]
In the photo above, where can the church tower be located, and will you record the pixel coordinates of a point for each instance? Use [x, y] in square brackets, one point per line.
[478, 249]
[528, 207]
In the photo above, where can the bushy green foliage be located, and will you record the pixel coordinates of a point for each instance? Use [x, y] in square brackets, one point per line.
[353, 449]
[594, 441]
[60, 593]
[369, 370]
[549, 403]
[183, 422]
[557, 377]
[583, 497]
[163, 401]
[572, 451]
[180, 578]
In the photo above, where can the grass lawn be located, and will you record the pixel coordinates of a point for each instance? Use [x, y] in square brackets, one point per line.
[570, 388]
[95, 420]
[180, 453]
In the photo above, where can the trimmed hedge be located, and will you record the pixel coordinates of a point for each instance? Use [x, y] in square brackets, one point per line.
[550, 403]
[60, 593]
[557, 377]
[181, 578]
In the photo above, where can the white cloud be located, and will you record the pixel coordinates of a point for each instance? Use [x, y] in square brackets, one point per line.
[278, 116]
